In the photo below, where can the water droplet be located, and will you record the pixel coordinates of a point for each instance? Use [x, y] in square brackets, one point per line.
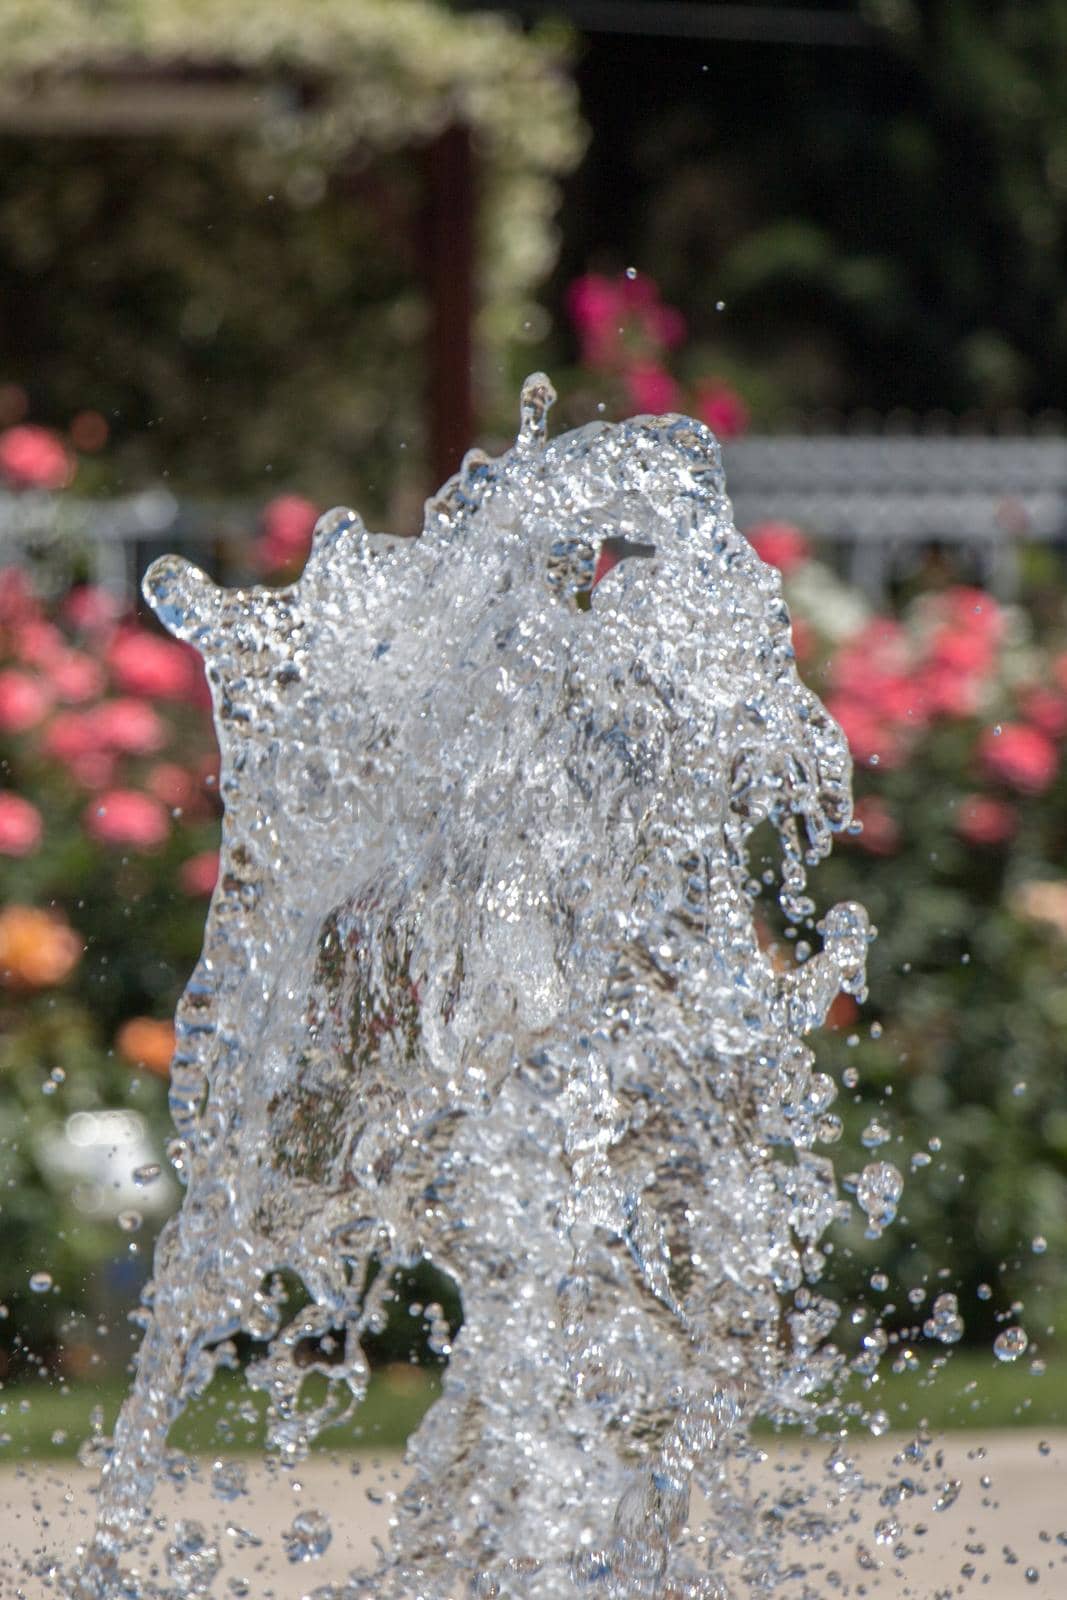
[631, 273]
[40, 1282]
[874, 1134]
[308, 1537]
[878, 1423]
[191, 1559]
[947, 1494]
[944, 1322]
[227, 1480]
[1039, 1244]
[1010, 1344]
[878, 1190]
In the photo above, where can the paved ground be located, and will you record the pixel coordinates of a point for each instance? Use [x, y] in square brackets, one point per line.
[1008, 1524]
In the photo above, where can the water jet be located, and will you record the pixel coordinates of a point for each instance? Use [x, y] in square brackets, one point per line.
[483, 984]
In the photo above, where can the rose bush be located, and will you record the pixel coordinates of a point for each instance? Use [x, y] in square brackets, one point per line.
[108, 834]
[631, 346]
[956, 712]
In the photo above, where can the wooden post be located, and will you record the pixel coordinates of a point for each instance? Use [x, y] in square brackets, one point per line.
[450, 268]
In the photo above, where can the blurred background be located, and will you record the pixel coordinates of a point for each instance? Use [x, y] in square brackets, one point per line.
[256, 265]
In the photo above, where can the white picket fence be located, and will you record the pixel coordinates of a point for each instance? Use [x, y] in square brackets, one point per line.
[874, 503]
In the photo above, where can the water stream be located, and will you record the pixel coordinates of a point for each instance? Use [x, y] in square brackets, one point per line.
[483, 983]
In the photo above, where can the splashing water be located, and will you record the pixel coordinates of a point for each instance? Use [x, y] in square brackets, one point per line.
[481, 983]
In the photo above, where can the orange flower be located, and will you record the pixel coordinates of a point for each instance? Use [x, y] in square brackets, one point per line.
[37, 948]
[146, 1044]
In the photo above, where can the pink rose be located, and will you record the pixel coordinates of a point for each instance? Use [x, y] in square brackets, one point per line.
[972, 610]
[21, 829]
[803, 639]
[945, 692]
[288, 522]
[870, 738]
[129, 727]
[173, 785]
[881, 834]
[651, 388]
[34, 458]
[91, 609]
[982, 820]
[142, 663]
[127, 817]
[76, 677]
[17, 600]
[723, 409]
[780, 544]
[667, 325]
[38, 643]
[71, 735]
[1019, 756]
[962, 650]
[1045, 709]
[95, 769]
[24, 700]
[595, 307]
[200, 873]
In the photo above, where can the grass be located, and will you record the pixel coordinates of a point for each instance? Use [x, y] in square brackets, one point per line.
[39, 1421]
[972, 1390]
[42, 1421]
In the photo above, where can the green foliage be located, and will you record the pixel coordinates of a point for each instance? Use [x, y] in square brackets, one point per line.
[886, 225]
[247, 306]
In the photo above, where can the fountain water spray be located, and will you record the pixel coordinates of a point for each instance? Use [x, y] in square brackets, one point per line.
[482, 984]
